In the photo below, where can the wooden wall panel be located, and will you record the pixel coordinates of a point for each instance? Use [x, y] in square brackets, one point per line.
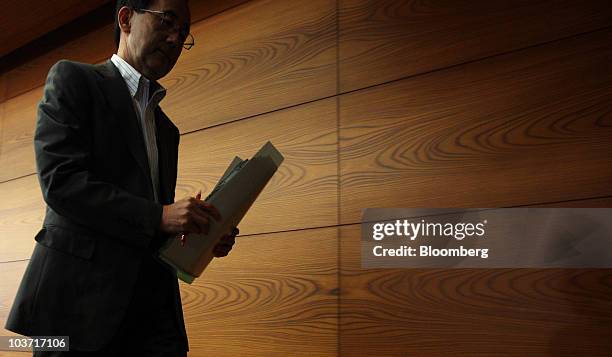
[260, 56]
[276, 293]
[243, 65]
[93, 47]
[471, 312]
[33, 72]
[16, 143]
[527, 127]
[22, 210]
[14, 354]
[273, 295]
[201, 10]
[302, 194]
[385, 40]
[23, 21]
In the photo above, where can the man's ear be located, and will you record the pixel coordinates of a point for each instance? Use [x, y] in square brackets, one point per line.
[125, 19]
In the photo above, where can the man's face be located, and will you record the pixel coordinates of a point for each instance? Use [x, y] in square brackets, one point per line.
[155, 47]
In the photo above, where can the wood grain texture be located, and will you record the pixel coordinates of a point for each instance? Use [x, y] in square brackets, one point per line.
[201, 10]
[16, 140]
[527, 127]
[275, 292]
[257, 57]
[243, 65]
[91, 47]
[23, 21]
[14, 354]
[385, 40]
[274, 295]
[471, 312]
[302, 194]
[22, 210]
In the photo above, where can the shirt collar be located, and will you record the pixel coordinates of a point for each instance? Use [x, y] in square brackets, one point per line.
[135, 80]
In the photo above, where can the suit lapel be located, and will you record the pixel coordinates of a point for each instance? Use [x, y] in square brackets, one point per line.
[119, 99]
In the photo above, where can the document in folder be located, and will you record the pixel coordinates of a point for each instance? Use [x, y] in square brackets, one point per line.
[233, 195]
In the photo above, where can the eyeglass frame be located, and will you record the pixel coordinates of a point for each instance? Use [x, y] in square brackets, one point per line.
[164, 15]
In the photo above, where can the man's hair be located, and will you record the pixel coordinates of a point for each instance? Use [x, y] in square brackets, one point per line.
[137, 4]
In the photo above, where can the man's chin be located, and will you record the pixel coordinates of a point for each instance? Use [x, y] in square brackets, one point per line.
[157, 72]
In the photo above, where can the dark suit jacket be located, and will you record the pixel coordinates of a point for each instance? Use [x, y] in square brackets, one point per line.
[101, 219]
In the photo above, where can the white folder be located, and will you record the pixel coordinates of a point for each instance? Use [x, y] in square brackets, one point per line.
[232, 196]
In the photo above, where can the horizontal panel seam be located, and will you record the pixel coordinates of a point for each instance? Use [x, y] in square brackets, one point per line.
[340, 93]
[372, 86]
[514, 206]
[15, 261]
[94, 30]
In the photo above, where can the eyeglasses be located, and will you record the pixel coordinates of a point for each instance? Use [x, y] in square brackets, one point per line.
[169, 22]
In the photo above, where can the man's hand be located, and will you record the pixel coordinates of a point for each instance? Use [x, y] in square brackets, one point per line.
[189, 215]
[225, 244]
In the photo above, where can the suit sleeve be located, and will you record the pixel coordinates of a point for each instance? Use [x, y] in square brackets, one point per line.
[62, 144]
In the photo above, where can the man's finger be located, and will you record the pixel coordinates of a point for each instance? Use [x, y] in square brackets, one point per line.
[201, 221]
[191, 227]
[208, 208]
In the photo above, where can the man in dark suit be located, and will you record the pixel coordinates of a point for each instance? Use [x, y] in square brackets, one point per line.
[106, 159]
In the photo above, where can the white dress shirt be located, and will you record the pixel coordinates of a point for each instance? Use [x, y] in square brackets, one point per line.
[144, 105]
